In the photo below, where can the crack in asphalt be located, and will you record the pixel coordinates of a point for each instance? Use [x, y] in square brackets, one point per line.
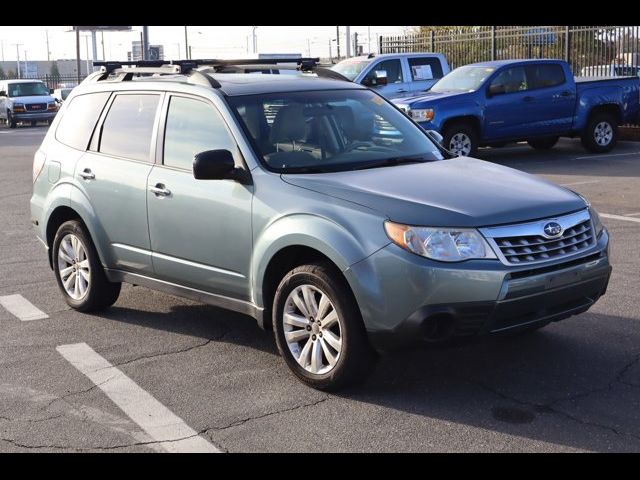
[550, 406]
[31, 420]
[269, 414]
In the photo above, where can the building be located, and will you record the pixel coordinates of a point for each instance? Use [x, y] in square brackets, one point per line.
[40, 68]
[156, 52]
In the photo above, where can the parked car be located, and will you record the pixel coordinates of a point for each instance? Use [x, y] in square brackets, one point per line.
[611, 71]
[339, 242]
[26, 101]
[61, 94]
[538, 101]
[395, 75]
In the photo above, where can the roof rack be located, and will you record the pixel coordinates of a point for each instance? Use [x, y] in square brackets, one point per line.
[196, 75]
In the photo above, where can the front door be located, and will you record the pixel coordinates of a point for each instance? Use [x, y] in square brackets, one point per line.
[398, 85]
[200, 230]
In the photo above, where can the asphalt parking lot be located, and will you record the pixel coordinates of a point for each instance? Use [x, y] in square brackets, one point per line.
[201, 378]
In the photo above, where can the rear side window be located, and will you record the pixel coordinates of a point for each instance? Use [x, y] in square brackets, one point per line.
[80, 119]
[393, 69]
[193, 126]
[543, 76]
[128, 128]
[425, 68]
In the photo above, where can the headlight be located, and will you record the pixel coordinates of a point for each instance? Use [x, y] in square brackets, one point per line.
[422, 115]
[18, 107]
[443, 244]
[595, 218]
[52, 106]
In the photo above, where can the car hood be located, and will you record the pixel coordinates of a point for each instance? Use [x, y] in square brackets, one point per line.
[428, 98]
[28, 100]
[462, 192]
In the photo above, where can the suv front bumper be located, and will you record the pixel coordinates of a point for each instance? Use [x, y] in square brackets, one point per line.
[408, 299]
[34, 116]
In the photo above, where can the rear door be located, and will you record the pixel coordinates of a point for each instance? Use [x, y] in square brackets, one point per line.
[424, 72]
[113, 175]
[398, 83]
[554, 98]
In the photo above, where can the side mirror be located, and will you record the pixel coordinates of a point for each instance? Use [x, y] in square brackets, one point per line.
[50, 91]
[378, 79]
[213, 165]
[435, 136]
[495, 89]
[3, 93]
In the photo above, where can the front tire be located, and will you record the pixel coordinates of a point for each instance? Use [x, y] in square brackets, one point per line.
[601, 133]
[544, 143]
[461, 140]
[11, 121]
[318, 328]
[78, 270]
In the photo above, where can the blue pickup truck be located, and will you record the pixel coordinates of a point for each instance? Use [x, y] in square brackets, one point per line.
[538, 101]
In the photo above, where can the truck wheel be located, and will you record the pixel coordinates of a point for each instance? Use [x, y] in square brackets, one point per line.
[601, 133]
[10, 120]
[543, 143]
[319, 329]
[78, 271]
[461, 140]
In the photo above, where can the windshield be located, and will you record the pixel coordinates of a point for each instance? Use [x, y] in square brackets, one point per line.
[27, 89]
[64, 93]
[332, 130]
[351, 67]
[463, 79]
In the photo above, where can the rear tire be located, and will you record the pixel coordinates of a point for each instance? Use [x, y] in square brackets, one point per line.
[543, 143]
[601, 133]
[461, 139]
[78, 270]
[343, 356]
[11, 121]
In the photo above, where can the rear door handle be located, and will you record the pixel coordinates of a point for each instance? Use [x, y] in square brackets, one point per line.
[159, 190]
[87, 174]
[402, 90]
[528, 99]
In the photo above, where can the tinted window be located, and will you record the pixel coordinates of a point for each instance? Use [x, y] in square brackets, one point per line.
[542, 76]
[425, 68]
[192, 127]
[79, 119]
[27, 89]
[393, 69]
[512, 79]
[463, 79]
[128, 127]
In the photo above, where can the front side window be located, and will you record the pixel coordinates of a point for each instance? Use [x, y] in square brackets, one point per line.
[128, 128]
[332, 130]
[80, 118]
[351, 67]
[463, 79]
[393, 69]
[193, 126]
[510, 80]
[27, 89]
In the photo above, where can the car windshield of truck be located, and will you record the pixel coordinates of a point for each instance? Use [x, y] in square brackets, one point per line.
[351, 67]
[463, 79]
[330, 131]
[27, 89]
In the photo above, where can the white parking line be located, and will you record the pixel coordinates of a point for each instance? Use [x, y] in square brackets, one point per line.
[586, 182]
[22, 308]
[589, 157]
[160, 423]
[619, 217]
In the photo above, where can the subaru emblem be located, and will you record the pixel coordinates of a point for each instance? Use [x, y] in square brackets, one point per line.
[552, 229]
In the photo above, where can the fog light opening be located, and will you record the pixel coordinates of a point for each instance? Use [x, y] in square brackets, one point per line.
[438, 327]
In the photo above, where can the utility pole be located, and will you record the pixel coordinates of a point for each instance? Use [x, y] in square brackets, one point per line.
[145, 43]
[338, 41]
[330, 57]
[102, 40]
[369, 39]
[2, 48]
[78, 52]
[94, 47]
[186, 43]
[348, 34]
[255, 40]
[18, 45]
[26, 65]
[48, 52]
[355, 44]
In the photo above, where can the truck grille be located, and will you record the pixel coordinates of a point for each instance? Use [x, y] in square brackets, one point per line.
[36, 107]
[527, 243]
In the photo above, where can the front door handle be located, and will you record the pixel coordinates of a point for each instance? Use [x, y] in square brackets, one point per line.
[402, 90]
[528, 99]
[87, 174]
[159, 190]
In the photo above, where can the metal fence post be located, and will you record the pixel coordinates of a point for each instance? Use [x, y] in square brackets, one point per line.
[380, 45]
[567, 44]
[493, 43]
[433, 43]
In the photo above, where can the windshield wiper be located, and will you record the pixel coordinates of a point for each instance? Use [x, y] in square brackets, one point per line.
[393, 161]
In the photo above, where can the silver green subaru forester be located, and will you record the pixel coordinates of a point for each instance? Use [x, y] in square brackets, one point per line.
[311, 204]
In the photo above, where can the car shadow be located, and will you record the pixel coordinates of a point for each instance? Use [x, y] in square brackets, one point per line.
[525, 385]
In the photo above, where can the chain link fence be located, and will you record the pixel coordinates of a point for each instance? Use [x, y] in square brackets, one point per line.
[590, 50]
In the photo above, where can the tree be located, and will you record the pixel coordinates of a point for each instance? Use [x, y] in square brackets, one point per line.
[11, 74]
[55, 73]
[2, 74]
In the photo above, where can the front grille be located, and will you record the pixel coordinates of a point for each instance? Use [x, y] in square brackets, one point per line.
[537, 248]
[36, 107]
[527, 243]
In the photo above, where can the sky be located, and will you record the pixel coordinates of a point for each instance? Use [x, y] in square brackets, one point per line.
[205, 41]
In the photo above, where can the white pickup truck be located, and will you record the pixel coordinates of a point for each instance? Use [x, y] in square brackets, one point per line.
[395, 75]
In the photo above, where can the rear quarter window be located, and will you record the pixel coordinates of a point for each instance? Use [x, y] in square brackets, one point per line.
[80, 118]
[425, 68]
[545, 75]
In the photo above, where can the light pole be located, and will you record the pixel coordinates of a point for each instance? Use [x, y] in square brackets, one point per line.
[18, 45]
[186, 42]
[255, 40]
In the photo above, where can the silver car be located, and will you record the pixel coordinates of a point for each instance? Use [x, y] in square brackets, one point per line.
[272, 195]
